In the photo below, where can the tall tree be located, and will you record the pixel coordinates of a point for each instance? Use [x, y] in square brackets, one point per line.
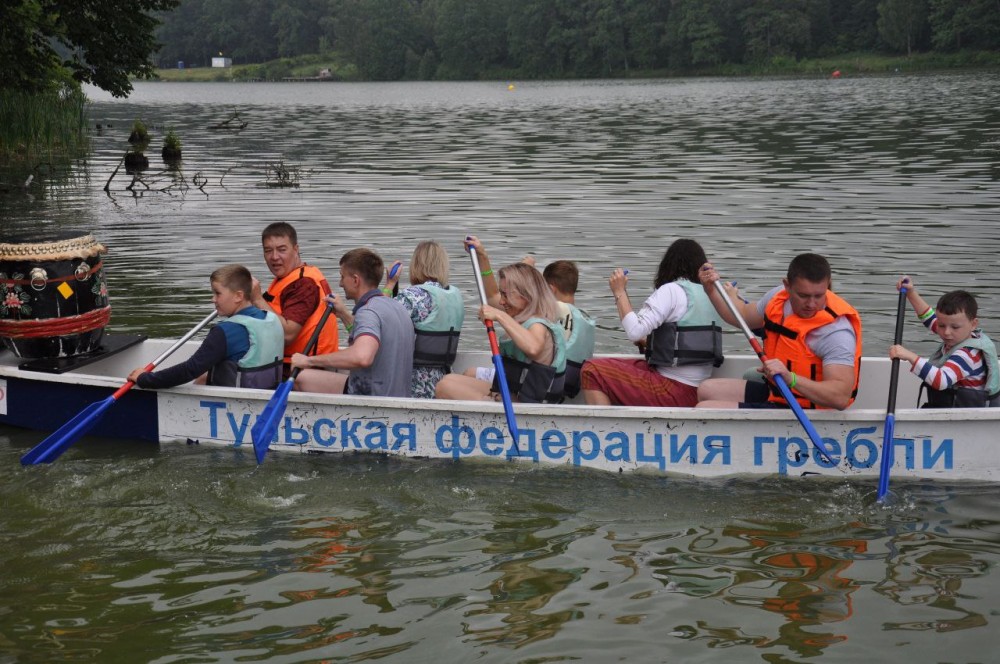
[102, 42]
[471, 36]
[776, 27]
[694, 34]
[901, 22]
[958, 24]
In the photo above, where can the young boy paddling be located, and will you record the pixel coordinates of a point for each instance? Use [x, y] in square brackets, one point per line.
[245, 350]
[963, 372]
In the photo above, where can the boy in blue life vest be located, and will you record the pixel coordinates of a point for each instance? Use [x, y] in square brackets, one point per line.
[563, 279]
[244, 350]
[963, 372]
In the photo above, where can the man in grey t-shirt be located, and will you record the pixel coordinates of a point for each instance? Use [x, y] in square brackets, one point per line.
[380, 351]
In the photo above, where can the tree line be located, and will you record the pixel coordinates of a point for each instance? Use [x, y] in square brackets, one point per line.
[469, 39]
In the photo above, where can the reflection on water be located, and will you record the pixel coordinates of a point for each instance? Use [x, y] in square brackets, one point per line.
[134, 553]
[197, 555]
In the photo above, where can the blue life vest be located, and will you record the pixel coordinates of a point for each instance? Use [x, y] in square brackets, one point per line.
[438, 334]
[967, 397]
[260, 366]
[532, 381]
[695, 339]
[579, 330]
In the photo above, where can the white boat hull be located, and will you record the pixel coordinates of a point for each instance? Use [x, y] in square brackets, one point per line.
[947, 444]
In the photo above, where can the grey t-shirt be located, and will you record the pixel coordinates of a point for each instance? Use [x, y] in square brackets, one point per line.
[834, 343]
[390, 374]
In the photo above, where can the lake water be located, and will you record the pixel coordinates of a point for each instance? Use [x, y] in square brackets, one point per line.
[125, 552]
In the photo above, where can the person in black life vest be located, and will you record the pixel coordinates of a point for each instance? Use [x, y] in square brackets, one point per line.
[296, 293]
[812, 339]
[242, 351]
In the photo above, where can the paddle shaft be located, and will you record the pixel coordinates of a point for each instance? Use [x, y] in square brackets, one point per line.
[314, 339]
[897, 339]
[167, 353]
[59, 440]
[885, 468]
[267, 423]
[786, 392]
[508, 406]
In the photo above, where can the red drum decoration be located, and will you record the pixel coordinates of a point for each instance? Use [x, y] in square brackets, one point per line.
[53, 298]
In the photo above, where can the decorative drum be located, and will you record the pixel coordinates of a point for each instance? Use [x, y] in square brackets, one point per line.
[53, 298]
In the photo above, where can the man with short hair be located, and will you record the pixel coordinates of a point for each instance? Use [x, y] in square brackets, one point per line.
[812, 339]
[379, 355]
[296, 293]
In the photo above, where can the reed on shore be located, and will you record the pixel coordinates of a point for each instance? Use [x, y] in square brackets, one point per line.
[42, 125]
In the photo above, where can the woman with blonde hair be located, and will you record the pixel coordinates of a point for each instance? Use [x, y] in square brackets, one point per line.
[534, 349]
[437, 312]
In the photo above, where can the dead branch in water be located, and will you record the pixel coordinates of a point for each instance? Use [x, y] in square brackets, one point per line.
[235, 123]
[280, 175]
[107, 185]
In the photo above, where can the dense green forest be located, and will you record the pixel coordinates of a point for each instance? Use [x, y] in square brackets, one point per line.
[469, 39]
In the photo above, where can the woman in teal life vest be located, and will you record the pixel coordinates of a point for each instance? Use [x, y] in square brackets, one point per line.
[682, 334]
[437, 312]
[533, 346]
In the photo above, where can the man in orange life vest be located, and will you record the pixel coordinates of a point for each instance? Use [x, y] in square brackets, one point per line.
[812, 339]
[296, 293]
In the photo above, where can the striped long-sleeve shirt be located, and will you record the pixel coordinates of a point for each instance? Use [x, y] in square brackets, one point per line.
[964, 367]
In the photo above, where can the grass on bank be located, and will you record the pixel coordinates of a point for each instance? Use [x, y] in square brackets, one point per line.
[848, 64]
[43, 125]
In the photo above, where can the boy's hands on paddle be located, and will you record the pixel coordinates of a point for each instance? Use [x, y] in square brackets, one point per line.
[898, 352]
[905, 282]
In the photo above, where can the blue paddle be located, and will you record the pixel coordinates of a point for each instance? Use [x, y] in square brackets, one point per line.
[59, 440]
[786, 392]
[890, 409]
[508, 407]
[266, 426]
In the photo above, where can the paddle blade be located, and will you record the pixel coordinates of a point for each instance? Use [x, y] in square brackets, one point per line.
[59, 440]
[883, 476]
[803, 419]
[508, 407]
[267, 424]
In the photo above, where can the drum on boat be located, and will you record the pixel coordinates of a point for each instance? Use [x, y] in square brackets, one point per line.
[53, 297]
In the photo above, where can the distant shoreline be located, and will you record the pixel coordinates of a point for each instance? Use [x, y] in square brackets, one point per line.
[307, 68]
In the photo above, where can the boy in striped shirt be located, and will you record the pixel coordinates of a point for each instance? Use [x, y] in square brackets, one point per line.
[963, 372]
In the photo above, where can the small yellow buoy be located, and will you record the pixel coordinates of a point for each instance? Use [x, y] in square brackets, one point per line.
[511, 87]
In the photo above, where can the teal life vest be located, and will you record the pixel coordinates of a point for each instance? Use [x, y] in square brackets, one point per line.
[578, 329]
[695, 339]
[438, 334]
[532, 381]
[967, 397]
[260, 366]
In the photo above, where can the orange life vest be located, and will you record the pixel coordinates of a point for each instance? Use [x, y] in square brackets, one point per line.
[328, 341]
[786, 340]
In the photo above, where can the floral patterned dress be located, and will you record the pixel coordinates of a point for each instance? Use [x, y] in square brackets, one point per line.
[420, 304]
